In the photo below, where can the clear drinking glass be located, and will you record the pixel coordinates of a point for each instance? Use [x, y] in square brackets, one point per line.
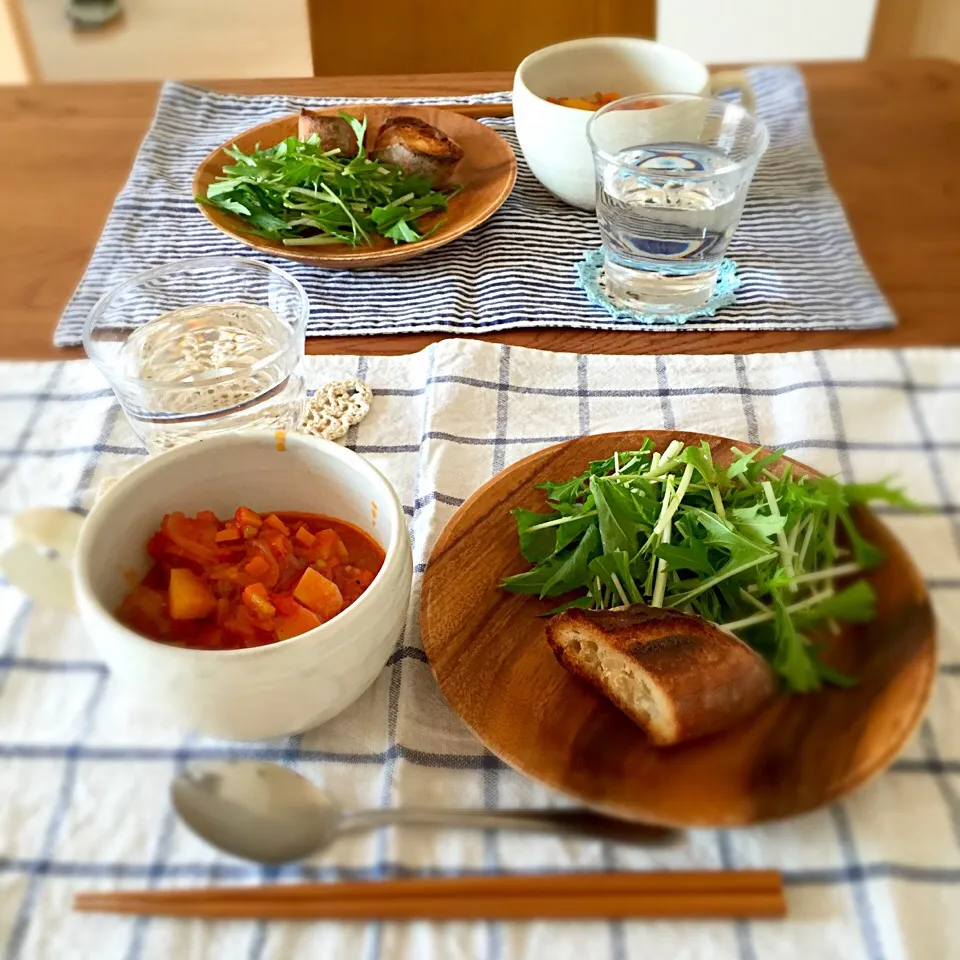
[202, 346]
[672, 174]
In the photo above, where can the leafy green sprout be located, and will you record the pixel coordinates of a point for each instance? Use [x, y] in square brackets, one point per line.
[748, 547]
[301, 195]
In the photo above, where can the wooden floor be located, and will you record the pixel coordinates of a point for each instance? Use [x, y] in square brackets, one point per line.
[156, 39]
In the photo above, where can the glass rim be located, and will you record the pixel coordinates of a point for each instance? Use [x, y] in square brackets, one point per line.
[735, 166]
[169, 267]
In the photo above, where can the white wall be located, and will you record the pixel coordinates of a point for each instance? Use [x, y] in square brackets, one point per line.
[12, 67]
[740, 31]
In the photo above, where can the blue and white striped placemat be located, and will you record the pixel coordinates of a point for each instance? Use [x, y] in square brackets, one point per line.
[84, 770]
[797, 258]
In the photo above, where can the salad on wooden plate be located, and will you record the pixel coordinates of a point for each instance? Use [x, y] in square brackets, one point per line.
[687, 557]
[356, 186]
[766, 630]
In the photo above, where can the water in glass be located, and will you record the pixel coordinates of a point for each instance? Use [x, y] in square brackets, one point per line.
[674, 228]
[200, 346]
[219, 365]
[667, 205]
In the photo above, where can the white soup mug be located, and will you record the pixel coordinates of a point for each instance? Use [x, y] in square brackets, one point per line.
[554, 138]
[253, 693]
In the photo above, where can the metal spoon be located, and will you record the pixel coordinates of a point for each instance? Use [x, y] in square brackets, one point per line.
[271, 814]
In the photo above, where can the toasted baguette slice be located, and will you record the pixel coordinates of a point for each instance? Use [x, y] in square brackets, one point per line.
[334, 132]
[418, 147]
[676, 675]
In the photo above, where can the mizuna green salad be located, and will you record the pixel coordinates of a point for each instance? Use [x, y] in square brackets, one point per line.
[752, 547]
[301, 195]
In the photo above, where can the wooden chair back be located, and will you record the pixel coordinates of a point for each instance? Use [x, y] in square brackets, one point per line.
[457, 36]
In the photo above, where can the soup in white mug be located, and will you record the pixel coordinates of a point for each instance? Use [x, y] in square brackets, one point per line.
[553, 137]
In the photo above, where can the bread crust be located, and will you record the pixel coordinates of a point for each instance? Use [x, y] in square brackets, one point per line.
[418, 147]
[334, 132]
[707, 679]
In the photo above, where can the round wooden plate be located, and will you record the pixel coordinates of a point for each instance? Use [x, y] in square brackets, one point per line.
[489, 654]
[487, 173]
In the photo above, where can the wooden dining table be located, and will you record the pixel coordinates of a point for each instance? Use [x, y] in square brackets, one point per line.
[889, 133]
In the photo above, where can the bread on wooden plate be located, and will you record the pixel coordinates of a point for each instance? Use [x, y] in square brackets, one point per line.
[418, 147]
[675, 674]
[334, 132]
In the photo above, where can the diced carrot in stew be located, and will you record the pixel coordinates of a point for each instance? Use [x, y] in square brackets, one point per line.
[190, 598]
[319, 594]
[256, 598]
[249, 580]
[274, 521]
[257, 567]
[297, 621]
[245, 517]
[305, 537]
[327, 546]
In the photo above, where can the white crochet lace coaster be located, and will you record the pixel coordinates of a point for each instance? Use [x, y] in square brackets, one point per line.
[334, 408]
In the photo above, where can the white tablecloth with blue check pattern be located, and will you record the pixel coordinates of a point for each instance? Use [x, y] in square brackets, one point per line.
[84, 771]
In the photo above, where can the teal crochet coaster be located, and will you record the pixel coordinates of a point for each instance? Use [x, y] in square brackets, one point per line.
[592, 281]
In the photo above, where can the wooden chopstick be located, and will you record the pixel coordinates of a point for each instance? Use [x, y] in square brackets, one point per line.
[691, 894]
[672, 881]
[475, 109]
[513, 907]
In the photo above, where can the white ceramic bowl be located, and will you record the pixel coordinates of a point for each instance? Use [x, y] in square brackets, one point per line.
[259, 692]
[554, 138]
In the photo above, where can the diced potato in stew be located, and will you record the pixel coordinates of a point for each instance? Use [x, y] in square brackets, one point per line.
[249, 580]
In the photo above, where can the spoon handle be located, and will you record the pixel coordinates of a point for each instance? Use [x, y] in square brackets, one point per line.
[568, 823]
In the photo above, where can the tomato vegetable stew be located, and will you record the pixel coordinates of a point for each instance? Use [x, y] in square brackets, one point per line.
[593, 102]
[597, 100]
[248, 581]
